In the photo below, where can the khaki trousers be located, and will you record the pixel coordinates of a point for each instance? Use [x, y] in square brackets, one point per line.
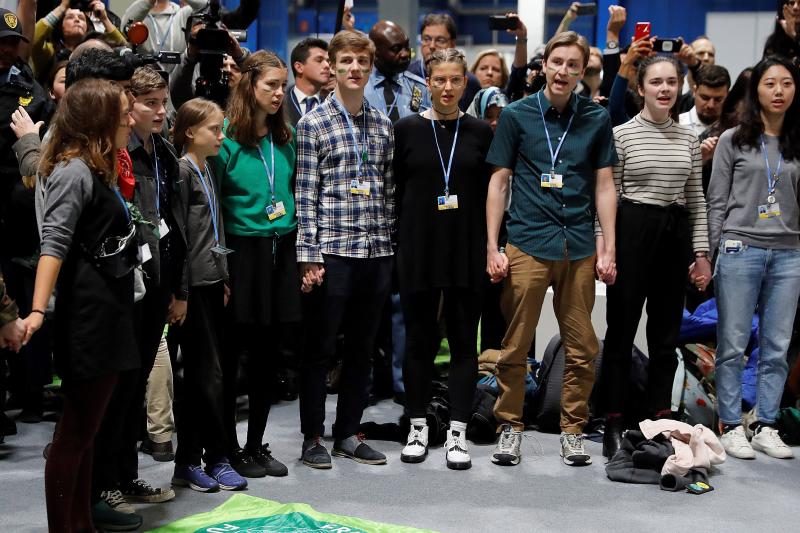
[521, 302]
[159, 395]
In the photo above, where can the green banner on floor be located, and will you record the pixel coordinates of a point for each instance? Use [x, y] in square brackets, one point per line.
[248, 514]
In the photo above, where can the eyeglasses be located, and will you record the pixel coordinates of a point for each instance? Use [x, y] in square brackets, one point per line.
[440, 82]
[440, 41]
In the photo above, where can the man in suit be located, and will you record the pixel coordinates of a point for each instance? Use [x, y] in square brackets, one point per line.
[311, 73]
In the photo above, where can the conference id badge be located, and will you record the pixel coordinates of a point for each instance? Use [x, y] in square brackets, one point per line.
[731, 247]
[275, 211]
[163, 229]
[552, 180]
[359, 187]
[144, 252]
[769, 210]
[445, 203]
[221, 250]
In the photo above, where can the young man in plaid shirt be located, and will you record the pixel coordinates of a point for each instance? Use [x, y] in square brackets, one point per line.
[345, 226]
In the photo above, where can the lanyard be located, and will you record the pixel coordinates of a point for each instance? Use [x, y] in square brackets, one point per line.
[158, 177]
[446, 171]
[212, 206]
[553, 155]
[772, 179]
[361, 151]
[124, 205]
[295, 103]
[270, 174]
[161, 42]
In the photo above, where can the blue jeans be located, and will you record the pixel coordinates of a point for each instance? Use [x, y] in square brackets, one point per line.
[753, 280]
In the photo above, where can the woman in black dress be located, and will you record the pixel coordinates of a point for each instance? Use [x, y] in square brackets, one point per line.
[88, 252]
[442, 179]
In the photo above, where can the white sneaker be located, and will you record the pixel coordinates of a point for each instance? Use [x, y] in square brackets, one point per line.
[767, 440]
[736, 444]
[416, 446]
[572, 450]
[507, 452]
[116, 501]
[457, 453]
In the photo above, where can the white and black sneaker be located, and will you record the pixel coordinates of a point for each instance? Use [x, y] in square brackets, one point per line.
[416, 448]
[117, 501]
[507, 452]
[572, 450]
[457, 453]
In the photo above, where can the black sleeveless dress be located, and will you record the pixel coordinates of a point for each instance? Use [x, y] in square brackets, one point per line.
[94, 333]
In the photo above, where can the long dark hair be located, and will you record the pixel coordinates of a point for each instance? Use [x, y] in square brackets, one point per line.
[729, 117]
[242, 126]
[752, 127]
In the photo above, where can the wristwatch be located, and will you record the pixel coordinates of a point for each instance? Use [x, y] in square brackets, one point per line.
[612, 45]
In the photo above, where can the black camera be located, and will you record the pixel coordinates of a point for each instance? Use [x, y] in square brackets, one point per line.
[213, 42]
[137, 34]
[83, 5]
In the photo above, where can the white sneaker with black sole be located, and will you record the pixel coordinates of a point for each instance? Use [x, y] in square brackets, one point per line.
[573, 451]
[736, 444]
[457, 455]
[507, 452]
[416, 448]
[767, 440]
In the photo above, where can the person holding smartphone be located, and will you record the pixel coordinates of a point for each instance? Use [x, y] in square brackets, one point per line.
[754, 224]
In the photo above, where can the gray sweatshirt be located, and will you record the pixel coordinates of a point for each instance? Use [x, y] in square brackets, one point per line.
[66, 192]
[738, 187]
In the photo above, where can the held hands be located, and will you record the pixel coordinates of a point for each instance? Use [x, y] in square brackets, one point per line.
[311, 274]
[32, 323]
[12, 335]
[700, 273]
[176, 313]
[22, 124]
[496, 265]
[606, 266]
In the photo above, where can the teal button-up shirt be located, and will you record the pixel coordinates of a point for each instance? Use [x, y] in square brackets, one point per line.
[546, 222]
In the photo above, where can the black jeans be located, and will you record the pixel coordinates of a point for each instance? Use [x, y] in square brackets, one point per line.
[116, 456]
[653, 258]
[351, 297]
[461, 312]
[200, 420]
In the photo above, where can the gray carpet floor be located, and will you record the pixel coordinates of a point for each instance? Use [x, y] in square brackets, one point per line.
[541, 494]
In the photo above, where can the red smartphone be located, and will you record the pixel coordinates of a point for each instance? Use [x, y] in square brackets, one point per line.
[642, 30]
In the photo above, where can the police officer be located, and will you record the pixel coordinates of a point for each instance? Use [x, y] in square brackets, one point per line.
[391, 88]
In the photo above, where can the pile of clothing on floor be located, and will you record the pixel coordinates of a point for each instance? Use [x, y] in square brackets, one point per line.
[668, 453]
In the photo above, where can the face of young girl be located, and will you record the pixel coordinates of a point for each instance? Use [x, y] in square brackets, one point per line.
[206, 137]
[660, 87]
[776, 90]
[270, 89]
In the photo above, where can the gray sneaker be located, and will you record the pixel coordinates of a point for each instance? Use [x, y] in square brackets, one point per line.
[507, 452]
[572, 450]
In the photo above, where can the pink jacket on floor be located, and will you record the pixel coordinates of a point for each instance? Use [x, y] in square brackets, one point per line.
[694, 446]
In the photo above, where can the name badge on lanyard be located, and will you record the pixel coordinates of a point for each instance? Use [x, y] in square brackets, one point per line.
[217, 249]
[274, 209]
[553, 180]
[358, 185]
[771, 209]
[447, 201]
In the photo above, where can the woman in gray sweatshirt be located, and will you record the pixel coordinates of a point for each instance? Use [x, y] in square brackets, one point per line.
[753, 220]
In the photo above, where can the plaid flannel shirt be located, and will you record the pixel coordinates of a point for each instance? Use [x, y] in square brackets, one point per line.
[330, 219]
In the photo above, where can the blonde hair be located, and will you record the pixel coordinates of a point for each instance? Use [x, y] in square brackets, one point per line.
[568, 38]
[351, 40]
[191, 113]
[503, 66]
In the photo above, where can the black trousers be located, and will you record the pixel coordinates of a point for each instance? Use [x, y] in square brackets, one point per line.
[116, 455]
[653, 258]
[199, 411]
[351, 297]
[461, 310]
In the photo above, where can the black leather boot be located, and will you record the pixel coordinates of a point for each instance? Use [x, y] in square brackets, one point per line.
[612, 437]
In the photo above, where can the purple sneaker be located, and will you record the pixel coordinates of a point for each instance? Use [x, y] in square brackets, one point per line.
[195, 478]
[226, 476]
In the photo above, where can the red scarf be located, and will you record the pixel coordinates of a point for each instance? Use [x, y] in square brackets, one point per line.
[125, 179]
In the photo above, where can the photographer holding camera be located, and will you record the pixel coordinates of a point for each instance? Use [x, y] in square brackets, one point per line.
[64, 28]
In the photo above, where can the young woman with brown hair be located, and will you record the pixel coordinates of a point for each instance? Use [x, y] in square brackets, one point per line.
[255, 166]
[88, 249]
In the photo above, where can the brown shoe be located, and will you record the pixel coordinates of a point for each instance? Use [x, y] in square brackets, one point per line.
[161, 451]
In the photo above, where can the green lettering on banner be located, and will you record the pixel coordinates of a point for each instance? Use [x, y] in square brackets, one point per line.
[248, 514]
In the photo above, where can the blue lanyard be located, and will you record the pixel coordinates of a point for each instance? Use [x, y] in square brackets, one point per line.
[772, 179]
[441, 159]
[166, 34]
[361, 151]
[124, 205]
[212, 206]
[158, 178]
[553, 155]
[270, 173]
